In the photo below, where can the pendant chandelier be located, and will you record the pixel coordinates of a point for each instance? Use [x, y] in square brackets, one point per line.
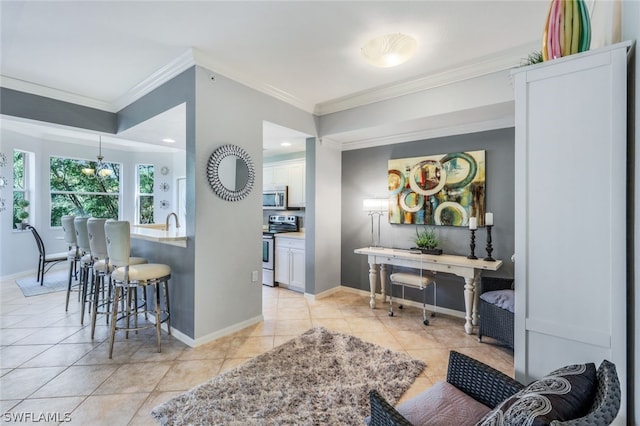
[101, 170]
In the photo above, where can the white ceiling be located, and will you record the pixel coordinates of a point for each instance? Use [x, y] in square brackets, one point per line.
[308, 52]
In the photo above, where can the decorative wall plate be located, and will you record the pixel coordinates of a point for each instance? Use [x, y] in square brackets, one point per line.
[164, 170]
[164, 204]
[164, 187]
[3, 182]
[3, 159]
[2, 207]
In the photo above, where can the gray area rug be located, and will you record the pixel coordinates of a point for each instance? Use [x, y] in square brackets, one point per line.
[321, 377]
[53, 281]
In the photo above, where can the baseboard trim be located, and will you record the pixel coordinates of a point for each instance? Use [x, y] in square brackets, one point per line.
[225, 331]
[323, 294]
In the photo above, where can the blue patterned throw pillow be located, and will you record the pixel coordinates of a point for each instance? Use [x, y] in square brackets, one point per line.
[564, 394]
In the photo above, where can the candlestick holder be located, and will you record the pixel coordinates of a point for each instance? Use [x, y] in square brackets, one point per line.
[489, 246]
[472, 245]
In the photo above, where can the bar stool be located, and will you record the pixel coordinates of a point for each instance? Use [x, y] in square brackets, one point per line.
[127, 278]
[420, 281]
[74, 253]
[86, 261]
[100, 297]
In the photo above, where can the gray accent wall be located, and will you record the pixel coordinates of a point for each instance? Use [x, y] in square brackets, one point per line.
[364, 175]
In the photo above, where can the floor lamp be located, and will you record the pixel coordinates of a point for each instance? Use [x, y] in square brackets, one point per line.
[375, 207]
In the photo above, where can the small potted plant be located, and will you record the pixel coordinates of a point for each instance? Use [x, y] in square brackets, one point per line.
[22, 214]
[427, 241]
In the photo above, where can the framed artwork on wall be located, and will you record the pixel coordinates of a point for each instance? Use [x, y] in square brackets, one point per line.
[445, 189]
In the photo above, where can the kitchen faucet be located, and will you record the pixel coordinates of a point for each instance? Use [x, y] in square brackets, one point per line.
[169, 217]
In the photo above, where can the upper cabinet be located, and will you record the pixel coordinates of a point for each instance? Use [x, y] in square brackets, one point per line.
[289, 173]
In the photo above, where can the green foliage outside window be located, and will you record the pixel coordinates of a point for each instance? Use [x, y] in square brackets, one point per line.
[145, 189]
[19, 199]
[77, 191]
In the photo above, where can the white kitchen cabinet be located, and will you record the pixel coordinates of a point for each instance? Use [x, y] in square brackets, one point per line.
[570, 214]
[290, 263]
[290, 174]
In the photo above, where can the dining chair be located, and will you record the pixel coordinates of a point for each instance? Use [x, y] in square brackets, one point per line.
[45, 259]
[127, 278]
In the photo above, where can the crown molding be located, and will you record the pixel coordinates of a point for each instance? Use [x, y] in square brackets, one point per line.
[480, 126]
[274, 92]
[486, 65]
[157, 79]
[48, 92]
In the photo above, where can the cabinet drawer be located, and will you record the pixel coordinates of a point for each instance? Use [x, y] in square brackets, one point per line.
[290, 243]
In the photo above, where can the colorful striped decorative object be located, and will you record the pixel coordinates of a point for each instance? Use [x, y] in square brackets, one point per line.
[567, 30]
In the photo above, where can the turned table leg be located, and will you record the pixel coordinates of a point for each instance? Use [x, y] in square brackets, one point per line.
[383, 282]
[373, 280]
[469, 296]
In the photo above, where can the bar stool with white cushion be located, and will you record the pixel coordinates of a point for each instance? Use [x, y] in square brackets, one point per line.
[127, 278]
[74, 252]
[420, 281]
[101, 295]
[86, 261]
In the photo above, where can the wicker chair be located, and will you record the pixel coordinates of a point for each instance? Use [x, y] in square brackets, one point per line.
[495, 322]
[491, 387]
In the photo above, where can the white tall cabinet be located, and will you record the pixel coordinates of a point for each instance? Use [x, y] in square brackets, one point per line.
[570, 207]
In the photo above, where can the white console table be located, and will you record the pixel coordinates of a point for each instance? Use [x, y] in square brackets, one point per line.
[468, 269]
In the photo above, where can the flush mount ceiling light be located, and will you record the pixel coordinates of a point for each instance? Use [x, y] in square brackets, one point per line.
[168, 140]
[389, 50]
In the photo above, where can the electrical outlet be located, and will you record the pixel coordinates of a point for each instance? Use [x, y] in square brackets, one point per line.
[254, 276]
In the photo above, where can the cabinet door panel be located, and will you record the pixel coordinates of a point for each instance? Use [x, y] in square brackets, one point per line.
[570, 214]
[297, 269]
[282, 265]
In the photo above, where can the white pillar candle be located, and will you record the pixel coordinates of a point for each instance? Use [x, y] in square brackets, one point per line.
[488, 219]
[473, 223]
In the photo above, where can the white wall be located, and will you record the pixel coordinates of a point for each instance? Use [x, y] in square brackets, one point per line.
[18, 253]
[228, 238]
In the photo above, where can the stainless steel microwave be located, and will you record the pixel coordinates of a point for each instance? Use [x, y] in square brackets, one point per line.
[274, 198]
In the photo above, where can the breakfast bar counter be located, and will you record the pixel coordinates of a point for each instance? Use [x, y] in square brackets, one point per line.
[158, 233]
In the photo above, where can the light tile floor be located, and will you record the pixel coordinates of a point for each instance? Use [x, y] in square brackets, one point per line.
[50, 364]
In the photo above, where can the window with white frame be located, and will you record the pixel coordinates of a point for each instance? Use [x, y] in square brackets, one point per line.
[83, 188]
[144, 193]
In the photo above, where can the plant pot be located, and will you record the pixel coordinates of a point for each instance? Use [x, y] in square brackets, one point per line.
[435, 251]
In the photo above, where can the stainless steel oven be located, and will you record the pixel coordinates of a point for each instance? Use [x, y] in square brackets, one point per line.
[277, 224]
[268, 264]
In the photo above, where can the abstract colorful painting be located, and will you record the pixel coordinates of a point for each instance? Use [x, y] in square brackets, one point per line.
[444, 189]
